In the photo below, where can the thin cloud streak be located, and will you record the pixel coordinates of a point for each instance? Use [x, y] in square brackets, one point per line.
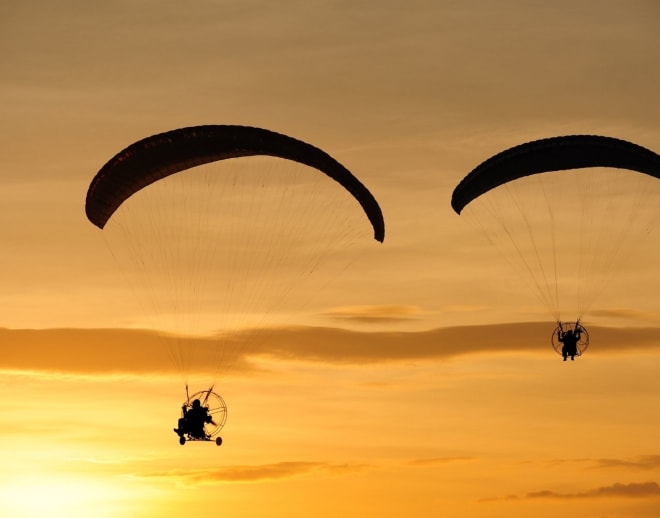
[616, 490]
[642, 462]
[437, 461]
[376, 313]
[107, 351]
[637, 463]
[630, 314]
[280, 470]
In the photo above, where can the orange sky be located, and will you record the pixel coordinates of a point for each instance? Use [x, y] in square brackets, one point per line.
[418, 380]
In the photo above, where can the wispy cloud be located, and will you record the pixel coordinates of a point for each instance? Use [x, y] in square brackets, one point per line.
[256, 473]
[437, 461]
[628, 314]
[279, 470]
[637, 463]
[377, 313]
[616, 490]
[642, 462]
[106, 351]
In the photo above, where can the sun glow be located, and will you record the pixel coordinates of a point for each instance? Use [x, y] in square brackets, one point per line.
[58, 496]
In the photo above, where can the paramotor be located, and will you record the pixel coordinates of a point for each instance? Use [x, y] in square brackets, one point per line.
[216, 227]
[566, 212]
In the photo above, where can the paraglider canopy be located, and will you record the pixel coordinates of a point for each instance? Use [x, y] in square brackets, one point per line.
[566, 212]
[216, 227]
[159, 156]
[553, 154]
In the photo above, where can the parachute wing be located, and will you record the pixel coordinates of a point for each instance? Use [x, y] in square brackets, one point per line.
[553, 154]
[159, 156]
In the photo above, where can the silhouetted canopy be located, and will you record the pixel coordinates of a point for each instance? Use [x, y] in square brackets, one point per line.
[553, 154]
[159, 156]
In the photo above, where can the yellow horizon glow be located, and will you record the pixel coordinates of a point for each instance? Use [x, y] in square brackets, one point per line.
[416, 378]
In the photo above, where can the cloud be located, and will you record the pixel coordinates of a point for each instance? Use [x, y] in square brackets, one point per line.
[642, 462]
[380, 313]
[437, 461]
[110, 351]
[629, 314]
[343, 346]
[257, 473]
[279, 470]
[616, 490]
[637, 463]
[102, 351]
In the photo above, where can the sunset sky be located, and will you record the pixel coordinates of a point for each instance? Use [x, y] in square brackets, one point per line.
[409, 378]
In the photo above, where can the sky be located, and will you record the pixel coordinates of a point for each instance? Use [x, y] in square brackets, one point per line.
[410, 378]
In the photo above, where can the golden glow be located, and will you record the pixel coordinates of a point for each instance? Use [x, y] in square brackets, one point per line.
[416, 382]
[59, 496]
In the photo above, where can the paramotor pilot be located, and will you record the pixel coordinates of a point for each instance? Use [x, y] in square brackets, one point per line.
[193, 420]
[569, 339]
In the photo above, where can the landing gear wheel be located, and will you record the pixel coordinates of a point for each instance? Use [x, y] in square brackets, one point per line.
[218, 441]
